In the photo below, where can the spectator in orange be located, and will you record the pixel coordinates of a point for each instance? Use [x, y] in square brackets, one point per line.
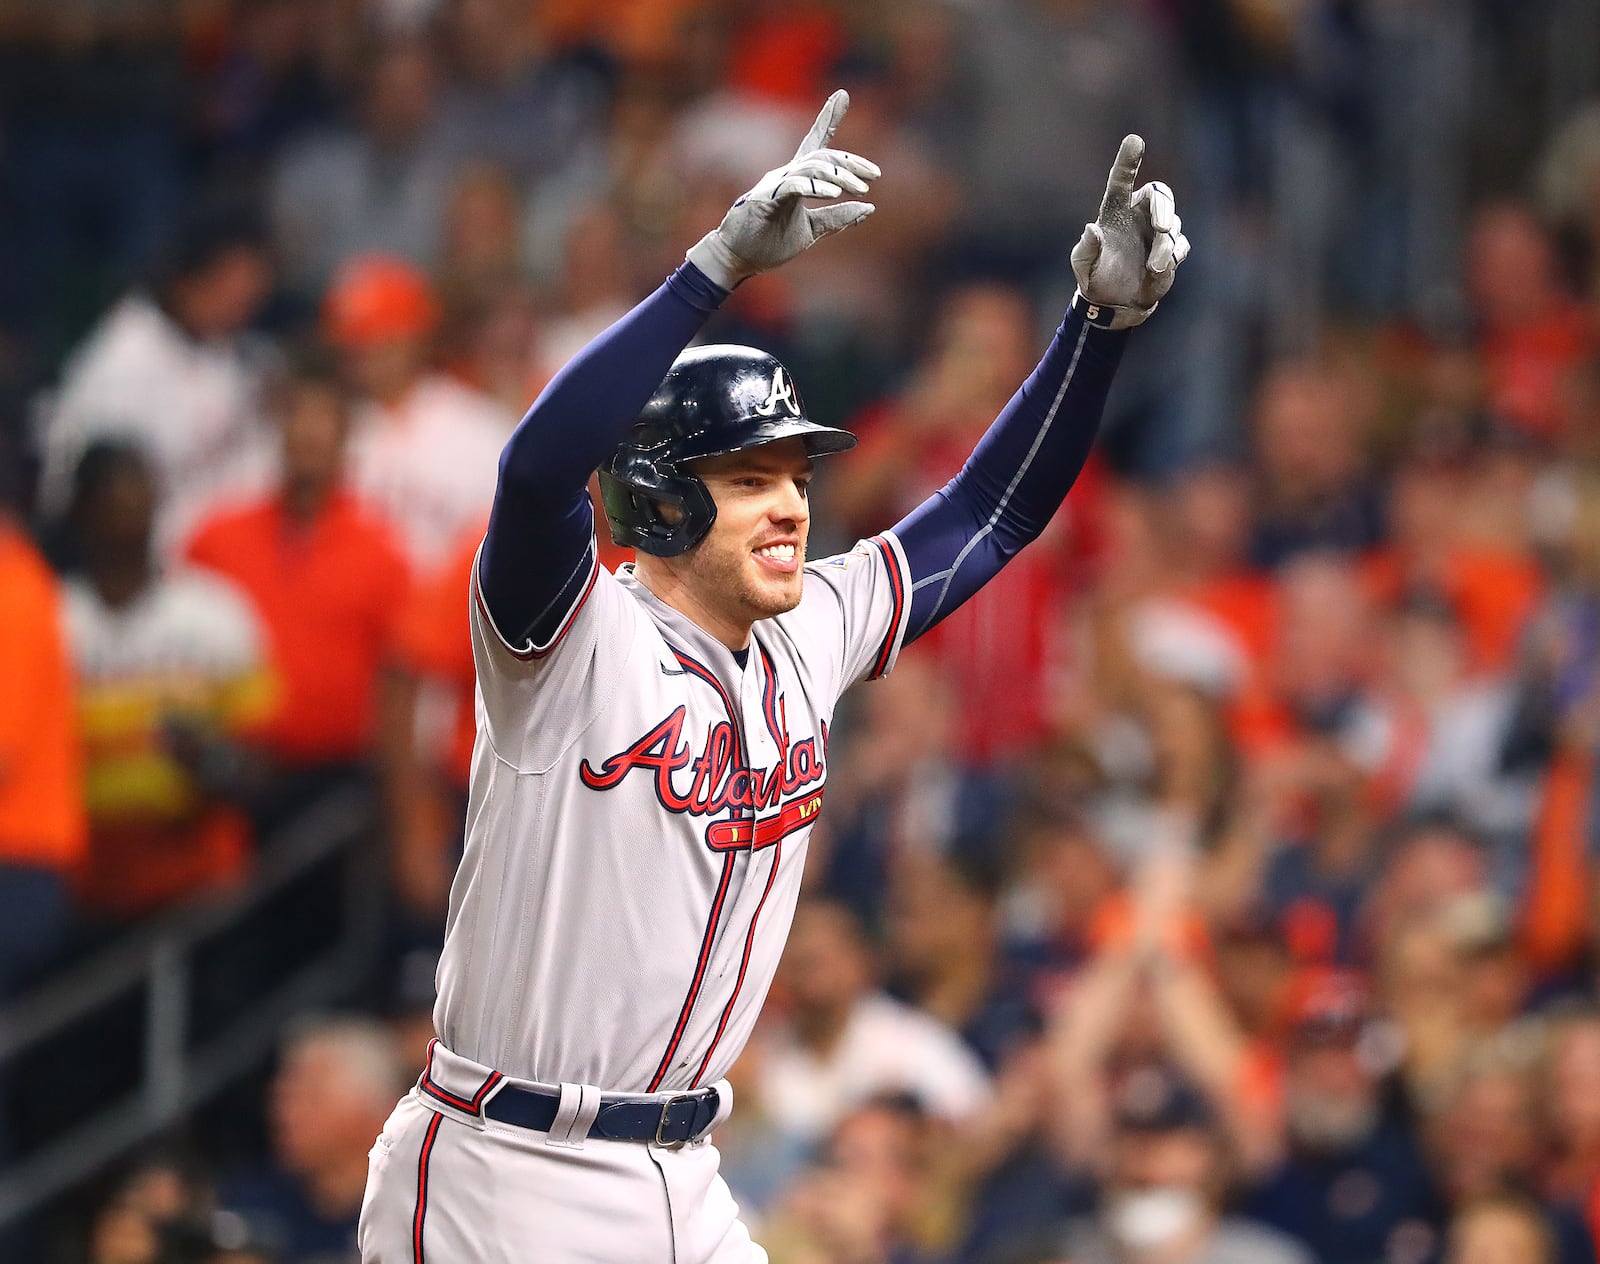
[1532, 331]
[784, 51]
[171, 678]
[41, 792]
[424, 446]
[328, 580]
[1493, 586]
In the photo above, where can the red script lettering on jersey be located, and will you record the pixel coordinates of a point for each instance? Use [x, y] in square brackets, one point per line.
[717, 780]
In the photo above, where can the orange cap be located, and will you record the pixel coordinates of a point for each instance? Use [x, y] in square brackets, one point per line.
[378, 298]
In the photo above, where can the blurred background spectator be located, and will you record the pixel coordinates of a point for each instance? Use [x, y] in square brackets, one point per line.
[42, 828]
[177, 373]
[1219, 886]
[336, 1082]
[328, 581]
[172, 675]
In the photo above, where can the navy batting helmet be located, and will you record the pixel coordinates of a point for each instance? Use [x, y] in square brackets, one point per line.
[714, 400]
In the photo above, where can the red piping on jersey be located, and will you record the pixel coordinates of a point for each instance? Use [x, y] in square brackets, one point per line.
[882, 662]
[421, 1214]
[531, 653]
[744, 963]
[703, 673]
[699, 972]
[431, 1087]
[769, 832]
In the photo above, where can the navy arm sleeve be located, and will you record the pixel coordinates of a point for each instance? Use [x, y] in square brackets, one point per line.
[1017, 476]
[536, 556]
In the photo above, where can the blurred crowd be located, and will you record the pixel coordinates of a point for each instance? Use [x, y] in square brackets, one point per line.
[1217, 888]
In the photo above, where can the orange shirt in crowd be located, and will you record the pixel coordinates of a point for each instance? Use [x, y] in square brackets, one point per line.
[1494, 592]
[1555, 921]
[1527, 364]
[41, 765]
[329, 594]
[786, 53]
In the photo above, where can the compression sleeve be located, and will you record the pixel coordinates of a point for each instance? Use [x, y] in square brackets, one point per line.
[1017, 476]
[537, 554]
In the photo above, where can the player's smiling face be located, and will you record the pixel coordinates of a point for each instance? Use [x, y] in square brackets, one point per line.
[749, 566]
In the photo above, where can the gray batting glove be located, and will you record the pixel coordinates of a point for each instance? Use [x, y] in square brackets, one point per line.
[771, 224]
[1126, 259]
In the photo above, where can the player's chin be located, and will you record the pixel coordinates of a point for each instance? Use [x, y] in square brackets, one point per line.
[775, 594]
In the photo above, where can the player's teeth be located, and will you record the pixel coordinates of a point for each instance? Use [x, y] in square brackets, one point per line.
[783, 552]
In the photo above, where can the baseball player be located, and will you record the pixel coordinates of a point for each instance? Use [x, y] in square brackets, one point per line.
[653, 746]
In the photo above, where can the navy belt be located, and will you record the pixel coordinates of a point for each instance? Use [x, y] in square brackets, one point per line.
[671, 1121]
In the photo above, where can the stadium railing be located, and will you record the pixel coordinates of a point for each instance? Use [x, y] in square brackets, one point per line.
[181, 1063]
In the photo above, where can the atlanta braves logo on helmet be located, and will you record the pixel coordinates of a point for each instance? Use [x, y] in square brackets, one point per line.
[782, 393]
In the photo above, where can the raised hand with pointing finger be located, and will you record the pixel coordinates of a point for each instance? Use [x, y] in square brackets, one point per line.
[1126, 259]
[771, 224]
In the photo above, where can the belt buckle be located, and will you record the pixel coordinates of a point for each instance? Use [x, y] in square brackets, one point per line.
[662, 1122]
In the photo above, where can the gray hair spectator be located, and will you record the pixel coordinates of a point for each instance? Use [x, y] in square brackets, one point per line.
[337, 1080]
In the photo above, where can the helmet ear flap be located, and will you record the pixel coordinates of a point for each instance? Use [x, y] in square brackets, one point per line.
[634, 497]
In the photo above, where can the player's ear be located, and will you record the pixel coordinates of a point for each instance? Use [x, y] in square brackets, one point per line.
[671, 514]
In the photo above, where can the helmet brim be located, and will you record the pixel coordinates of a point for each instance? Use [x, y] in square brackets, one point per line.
[819, 440]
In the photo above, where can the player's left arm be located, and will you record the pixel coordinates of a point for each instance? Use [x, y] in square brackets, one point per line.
[1022, 468]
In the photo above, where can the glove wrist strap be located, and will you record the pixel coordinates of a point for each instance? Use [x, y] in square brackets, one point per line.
[722, 267]
[1105, 316]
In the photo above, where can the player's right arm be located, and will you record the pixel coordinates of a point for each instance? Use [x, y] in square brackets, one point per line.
[538, 555]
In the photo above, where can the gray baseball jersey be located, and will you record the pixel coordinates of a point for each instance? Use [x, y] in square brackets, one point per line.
[637, 825]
